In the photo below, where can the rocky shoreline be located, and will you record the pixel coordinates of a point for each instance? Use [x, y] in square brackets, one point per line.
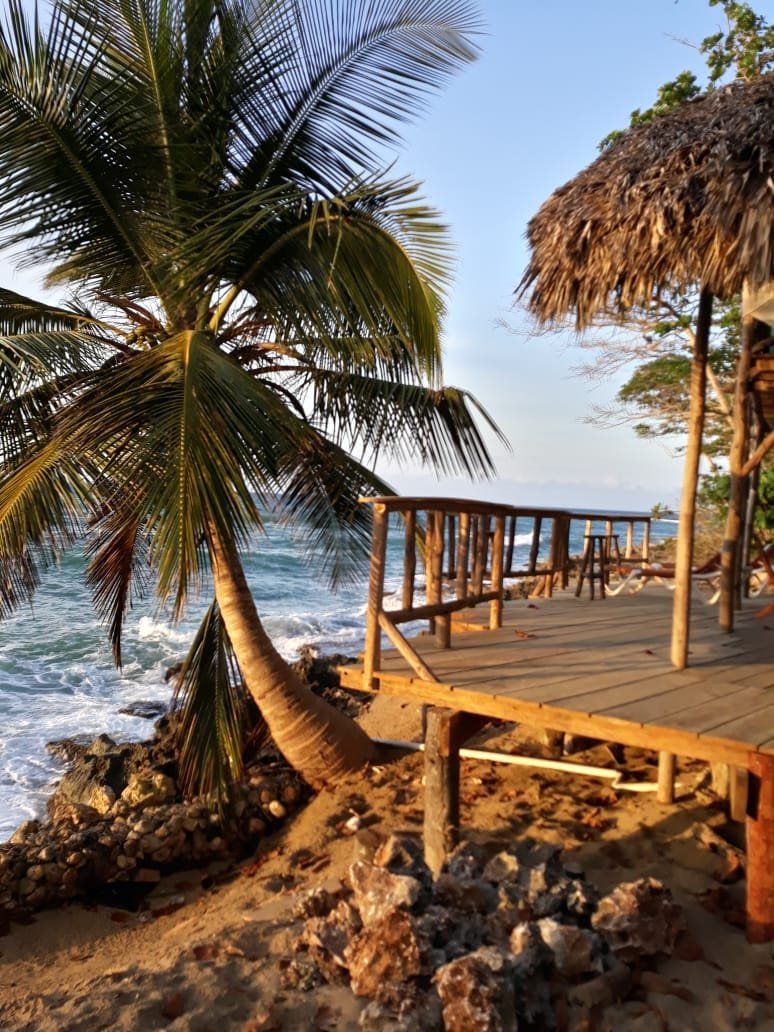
[117, 820]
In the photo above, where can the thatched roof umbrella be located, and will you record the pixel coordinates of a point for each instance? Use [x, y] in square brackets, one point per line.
[683, 202]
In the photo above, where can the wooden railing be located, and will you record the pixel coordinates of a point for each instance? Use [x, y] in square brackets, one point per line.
[468, 549]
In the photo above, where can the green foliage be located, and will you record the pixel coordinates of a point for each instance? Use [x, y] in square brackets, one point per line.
[673, 93]
[713, 497]
[746, 47]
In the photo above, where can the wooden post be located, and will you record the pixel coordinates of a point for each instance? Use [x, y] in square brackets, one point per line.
[445, 732]
[760, 849]
[646, 541]
[681, 609]
[739, 793]
[512, 526]
[666, 778]
[737, 456]
[451, 547]
[429, 588]
[372, 654]
[629, 551]
[442, 789]
[443, 620]
[535, 546]
[498, 547]
[463, 553]
[409, 559]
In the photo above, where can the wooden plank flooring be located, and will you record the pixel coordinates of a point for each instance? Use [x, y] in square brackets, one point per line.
[602, 669]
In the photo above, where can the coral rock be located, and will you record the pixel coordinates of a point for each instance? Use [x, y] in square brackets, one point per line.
[378, 891]
[576, 951]
[385, 956]
[639, 919]
[477, 993]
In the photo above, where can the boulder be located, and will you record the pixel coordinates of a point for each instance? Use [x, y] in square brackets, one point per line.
[477, 992]
[385, 956]
[378, 891]
[639, 919]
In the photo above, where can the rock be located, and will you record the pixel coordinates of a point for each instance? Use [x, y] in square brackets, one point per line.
[173, 1007]
[604, 990]
[468, 895]
[639, 919]
[327, 938]
[477, 993]
[148, 709]
[101, 798]
[529, 950]
[149, 788]
[378, 891]
[576, 952]
[400, 853]
[385, 956]
[68, 749]
[633, 1016]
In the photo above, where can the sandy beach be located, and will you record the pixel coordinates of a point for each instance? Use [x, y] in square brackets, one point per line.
[218, 949]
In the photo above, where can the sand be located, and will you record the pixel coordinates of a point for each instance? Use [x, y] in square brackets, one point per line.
[213, 950]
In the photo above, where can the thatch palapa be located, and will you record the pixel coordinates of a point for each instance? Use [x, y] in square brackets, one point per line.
[683, 201]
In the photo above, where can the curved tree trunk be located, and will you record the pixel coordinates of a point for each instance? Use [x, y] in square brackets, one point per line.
[320, 742]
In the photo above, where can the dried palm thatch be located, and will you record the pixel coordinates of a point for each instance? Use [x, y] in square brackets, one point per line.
[687, 199]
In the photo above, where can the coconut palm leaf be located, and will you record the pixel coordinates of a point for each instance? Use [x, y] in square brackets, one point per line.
[213, 709]
[321, 487]
[352, 73]
[405, 421]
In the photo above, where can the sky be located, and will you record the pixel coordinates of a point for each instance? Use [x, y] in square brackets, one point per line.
[553, 78]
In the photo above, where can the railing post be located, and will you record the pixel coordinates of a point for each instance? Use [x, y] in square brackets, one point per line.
[409, 559]
[498, 545]
[629, 540]
[443, 620]
[646, 540]
[463, 552]
[372, 655]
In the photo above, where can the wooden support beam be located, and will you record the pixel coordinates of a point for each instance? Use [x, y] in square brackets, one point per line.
[498, 545]
[739, 785]
[666, 777]
[446, 730]
[409, 559]
[731, 537]
[682, 598]
[760, 849]
[443, 620]
[372, 653]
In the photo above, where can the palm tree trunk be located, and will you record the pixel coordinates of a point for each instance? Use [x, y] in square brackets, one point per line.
[320, 742]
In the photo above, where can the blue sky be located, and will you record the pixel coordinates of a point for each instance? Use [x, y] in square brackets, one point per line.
[553, 78]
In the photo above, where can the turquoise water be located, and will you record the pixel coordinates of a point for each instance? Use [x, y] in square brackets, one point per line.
[57, 677]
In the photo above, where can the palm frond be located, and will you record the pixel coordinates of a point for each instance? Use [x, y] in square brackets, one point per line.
[319, 492]
[348, 76]
[407, 422]
[119, 568]
[42, 505]
[73, 181]
[213, 711]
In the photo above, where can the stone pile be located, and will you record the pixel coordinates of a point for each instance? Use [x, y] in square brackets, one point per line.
[513, 940]
[115, 818]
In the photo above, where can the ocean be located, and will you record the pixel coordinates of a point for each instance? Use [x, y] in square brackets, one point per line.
[57, 677]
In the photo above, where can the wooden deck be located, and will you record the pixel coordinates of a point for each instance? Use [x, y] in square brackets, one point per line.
[602, 669]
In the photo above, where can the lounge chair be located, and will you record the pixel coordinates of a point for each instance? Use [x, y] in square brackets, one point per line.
[635, 578]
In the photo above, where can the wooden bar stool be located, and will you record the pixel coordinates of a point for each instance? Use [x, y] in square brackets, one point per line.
[594, 563]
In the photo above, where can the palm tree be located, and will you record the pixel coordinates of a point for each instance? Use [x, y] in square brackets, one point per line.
[250, 298]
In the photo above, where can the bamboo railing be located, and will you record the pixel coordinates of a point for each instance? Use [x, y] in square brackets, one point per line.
[468, 550]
